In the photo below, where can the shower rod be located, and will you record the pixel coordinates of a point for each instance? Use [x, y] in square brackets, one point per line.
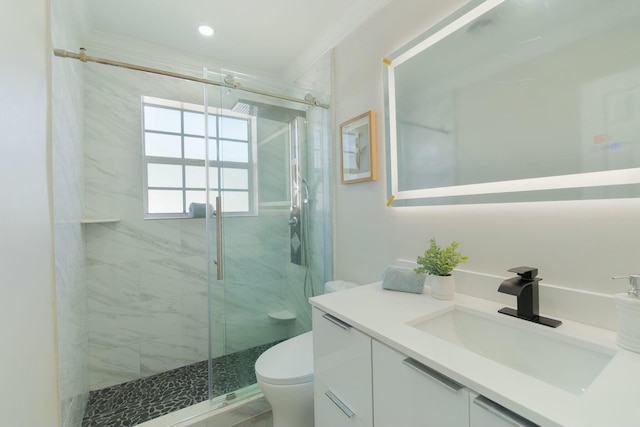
[227, 82]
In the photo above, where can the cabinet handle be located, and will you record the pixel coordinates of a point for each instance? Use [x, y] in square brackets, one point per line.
[502, 413]
[337, 321]
[446, 382]
[339, 403]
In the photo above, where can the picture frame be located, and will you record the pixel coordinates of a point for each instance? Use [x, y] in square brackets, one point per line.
[358, 161]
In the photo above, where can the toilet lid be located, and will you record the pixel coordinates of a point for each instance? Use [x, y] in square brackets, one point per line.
[290, 362]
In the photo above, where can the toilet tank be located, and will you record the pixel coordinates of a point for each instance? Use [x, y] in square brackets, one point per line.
[338, 285]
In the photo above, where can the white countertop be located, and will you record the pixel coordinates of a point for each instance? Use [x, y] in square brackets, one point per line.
[611, 400]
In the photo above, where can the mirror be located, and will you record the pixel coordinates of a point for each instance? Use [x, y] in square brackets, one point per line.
[358, 149]
[517, 100]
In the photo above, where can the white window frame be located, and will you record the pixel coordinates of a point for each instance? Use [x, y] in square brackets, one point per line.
[250, 166]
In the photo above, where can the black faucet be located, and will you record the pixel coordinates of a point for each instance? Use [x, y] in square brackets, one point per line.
[525, 288]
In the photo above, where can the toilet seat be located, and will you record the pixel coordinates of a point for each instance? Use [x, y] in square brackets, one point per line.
[290, 362]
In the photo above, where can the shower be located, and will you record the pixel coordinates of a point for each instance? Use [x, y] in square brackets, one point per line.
[163, 332]
[300, 197]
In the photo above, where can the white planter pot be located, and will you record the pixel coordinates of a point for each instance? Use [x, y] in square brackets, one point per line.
[442, 287]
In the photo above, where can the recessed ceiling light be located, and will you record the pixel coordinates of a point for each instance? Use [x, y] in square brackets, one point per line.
[205, 30]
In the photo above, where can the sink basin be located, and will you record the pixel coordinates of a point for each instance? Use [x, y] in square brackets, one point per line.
[564, 362]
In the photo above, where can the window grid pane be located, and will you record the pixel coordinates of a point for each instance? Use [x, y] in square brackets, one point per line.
[233, 128]
[160, 175]
[195, 177]
[235, 201]
[165, 201]
[237, 179]
[162, 145]
[195, 197]
[162, 119]
[174, 183]
[193, 123]
[235, 151]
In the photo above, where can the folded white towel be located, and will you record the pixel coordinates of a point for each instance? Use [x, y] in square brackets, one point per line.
[199, 210]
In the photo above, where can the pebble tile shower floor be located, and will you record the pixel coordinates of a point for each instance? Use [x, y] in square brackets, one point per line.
[134, 402]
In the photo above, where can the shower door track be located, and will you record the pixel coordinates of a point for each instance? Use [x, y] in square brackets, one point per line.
[227, 82]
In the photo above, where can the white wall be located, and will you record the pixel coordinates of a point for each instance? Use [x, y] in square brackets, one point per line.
[578, 244]
[28, 363]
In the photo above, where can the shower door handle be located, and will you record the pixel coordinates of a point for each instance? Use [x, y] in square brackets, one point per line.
[219, 246]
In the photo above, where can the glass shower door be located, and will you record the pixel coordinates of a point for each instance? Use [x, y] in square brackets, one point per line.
[265, 246]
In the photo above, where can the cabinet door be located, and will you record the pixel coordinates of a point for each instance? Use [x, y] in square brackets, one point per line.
[342, 372]
[487, 413]
[409, 394]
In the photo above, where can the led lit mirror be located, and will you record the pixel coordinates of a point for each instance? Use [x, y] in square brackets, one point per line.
[517, 100]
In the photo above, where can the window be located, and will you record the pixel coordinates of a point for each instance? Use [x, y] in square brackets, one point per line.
[175, 167]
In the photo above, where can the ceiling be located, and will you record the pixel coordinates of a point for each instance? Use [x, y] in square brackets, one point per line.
[272, 36]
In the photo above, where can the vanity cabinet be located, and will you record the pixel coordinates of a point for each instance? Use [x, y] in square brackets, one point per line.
[342, 373]
[409, 394]
[360, 382]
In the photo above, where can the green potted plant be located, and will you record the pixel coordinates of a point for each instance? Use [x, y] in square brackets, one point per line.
[438, 263]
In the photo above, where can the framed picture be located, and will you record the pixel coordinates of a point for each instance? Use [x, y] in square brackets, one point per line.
[358, 149]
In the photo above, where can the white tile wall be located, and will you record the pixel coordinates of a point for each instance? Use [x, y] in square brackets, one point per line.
[68, 171]
[147, 279]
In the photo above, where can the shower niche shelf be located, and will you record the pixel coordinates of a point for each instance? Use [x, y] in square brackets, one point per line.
[282, 315]
[99, 220]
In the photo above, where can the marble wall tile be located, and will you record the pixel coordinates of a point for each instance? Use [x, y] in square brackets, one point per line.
[217, 313]
[240, 335]
[297, 298]
[107, 158]
[76, 410]
[173, 276]
[115, 285]
[67, 110]
[159, 302]
[199, 342]
[111, 326]
[166, 353]
[193, 236]
[113, 105]
[195, 311]
[126, 241]
[273, 161]
[114, 366]
[156, 318]
[247, 321]
[217, 341]
[113, 198]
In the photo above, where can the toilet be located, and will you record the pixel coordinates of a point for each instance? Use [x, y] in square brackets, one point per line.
[285, 375]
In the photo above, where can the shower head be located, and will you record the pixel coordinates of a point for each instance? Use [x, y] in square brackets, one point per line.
[267, 111]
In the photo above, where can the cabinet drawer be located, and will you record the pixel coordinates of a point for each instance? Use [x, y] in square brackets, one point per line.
[487, 413]
[421, 397]
[332, 410]
[342, 364]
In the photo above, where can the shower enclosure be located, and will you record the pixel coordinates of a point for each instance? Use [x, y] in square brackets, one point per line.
[208, 229]
[270, 242]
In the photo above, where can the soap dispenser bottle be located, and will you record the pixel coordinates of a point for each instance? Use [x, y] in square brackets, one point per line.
[628, 306]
